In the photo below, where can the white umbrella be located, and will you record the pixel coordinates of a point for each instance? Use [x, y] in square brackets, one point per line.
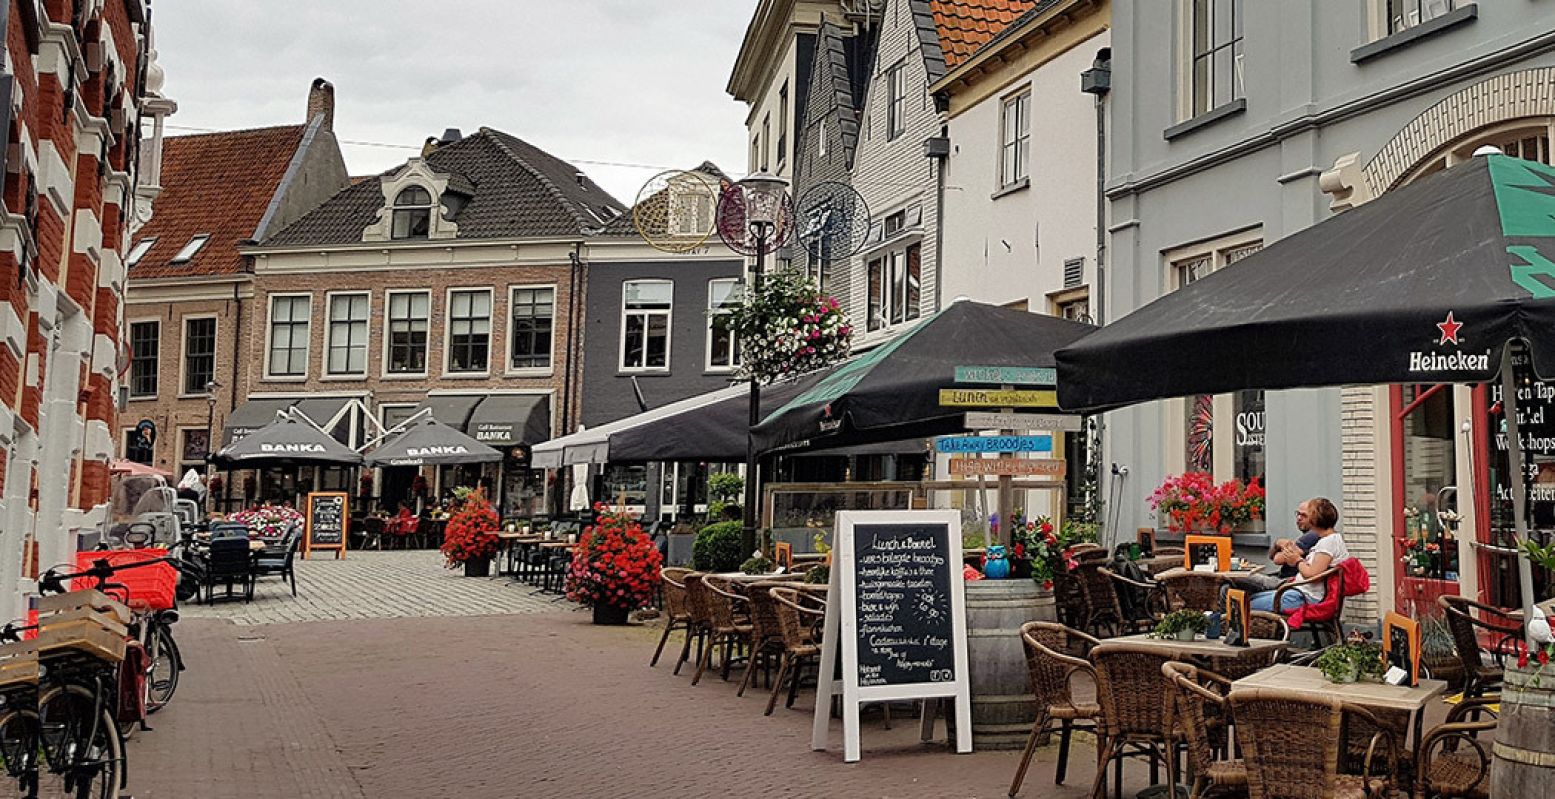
[580, 487]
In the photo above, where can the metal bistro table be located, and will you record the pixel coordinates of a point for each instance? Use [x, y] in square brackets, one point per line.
[1370, 695]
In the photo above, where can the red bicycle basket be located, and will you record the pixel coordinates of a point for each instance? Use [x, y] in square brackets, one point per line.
[152, 587]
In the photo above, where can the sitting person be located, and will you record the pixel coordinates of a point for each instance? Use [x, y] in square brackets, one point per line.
[1280, 554]
[1329, 550]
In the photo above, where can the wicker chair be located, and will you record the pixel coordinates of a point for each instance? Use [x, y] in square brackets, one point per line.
[766, 637]
[1102, 611]
[1187, 590]
[1150, 609]
[677, 611]
[728, 623]
[1201, 711]
[1333, 580]
[1479, 676]
[1261, 624]
[801, 611]
[1291, 744]
[701, 618]
[1450, 760]
[1132, 694]
[1051, 665]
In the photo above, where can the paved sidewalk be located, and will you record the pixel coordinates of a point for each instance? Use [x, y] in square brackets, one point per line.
[375, 585]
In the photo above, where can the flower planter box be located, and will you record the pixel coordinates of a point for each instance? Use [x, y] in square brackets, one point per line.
[610, 614]
[477, 567]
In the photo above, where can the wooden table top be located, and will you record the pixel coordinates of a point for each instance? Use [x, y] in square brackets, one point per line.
[1370, 694]
[742, 577]
[556, 544]
[1179, 571]
[1200, 647]
[521, 538]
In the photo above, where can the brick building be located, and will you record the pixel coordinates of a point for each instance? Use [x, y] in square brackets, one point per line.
[191, 291]
[71, 90]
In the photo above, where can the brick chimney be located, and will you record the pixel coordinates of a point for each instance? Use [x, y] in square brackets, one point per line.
[321, 100]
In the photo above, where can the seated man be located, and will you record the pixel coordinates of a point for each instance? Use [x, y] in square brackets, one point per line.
[1330, 550]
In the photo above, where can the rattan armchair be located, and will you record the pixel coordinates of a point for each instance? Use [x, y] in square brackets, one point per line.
[1261, 624]
[728, 623]
[701, 619]
[1291, 742]
[1132, 695]
[766, 636]
[1479, 676]
[1450, 760]
[1189, 590]
[677, 612]
[1147, 610]
[1051, 665]
[1201, 711]
[1102, 614]
[801, 612]
[1332, 579]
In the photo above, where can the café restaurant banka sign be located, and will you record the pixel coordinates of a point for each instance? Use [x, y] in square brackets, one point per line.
[896, 616]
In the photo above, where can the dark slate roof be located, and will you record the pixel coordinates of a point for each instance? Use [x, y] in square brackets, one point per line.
[516, 190]
[623, 224]
[928, 39]
[833, 58]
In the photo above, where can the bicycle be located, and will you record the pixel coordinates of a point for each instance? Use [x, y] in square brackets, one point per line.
[19, 714]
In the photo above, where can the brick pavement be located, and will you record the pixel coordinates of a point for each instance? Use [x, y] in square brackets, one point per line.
[374, 585]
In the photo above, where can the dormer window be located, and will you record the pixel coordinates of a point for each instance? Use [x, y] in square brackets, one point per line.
[187, 253]
[139, 251]
[412, 213]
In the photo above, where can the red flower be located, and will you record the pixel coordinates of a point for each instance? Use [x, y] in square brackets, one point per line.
[1544, 657]
[1522, 660]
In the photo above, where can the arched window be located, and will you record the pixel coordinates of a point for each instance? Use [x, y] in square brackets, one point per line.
[412, 213]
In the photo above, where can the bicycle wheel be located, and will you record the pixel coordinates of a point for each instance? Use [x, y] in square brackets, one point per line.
[19, 748]
[162, 671]
[81, 745]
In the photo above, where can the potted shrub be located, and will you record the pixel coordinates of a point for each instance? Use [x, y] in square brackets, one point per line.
[718, 548]
[1182, 625]
[1351, 661]
[615, 567]
[470, 538]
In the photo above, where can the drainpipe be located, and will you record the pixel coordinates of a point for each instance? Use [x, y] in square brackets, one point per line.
[1097, 82]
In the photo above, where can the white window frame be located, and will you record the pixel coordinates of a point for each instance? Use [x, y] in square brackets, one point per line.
[139, 250]
[129, 329]
[1380, 27]
[307, 363]
[766, 142]
[448, 331]
[896, 100]
[669, 330]
[178, 447]
[329, 323]
[385, 407]
[386, 350]
[1187, 108]
[395, 209]
[1021, 172]
[192, 248]
[512, 332]
[183, 351]
[712, 313]
[783, 137]
[1223, 457]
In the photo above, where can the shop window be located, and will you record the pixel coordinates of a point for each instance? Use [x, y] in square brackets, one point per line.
[137, 448]
[1425, 423]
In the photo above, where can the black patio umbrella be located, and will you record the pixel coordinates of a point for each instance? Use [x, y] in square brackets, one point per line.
[893, 392]
[1429, 283]
[429, 441]
[286, 442]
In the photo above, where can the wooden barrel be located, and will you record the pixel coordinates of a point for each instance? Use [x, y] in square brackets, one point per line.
[1525, 736]
[1003, 707]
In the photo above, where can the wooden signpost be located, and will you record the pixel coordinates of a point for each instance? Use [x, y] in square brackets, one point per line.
[997, 398]
[897, 606]
[1056, 422]
[326, 518]
[1008, 375]
[993, 444]
[973, 467]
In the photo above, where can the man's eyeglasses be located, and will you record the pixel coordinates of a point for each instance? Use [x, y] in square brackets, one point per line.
[1300, 514]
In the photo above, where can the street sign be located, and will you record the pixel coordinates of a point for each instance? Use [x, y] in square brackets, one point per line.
[997, 398]
[994, 444]
[1056, 422]
[972, 467]
[1008, 375]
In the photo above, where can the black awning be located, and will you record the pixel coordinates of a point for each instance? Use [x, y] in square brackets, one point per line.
[510, 419]
[451, 409]
[252, 415]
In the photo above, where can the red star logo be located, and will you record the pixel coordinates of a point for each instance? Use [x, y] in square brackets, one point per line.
[1449, 329]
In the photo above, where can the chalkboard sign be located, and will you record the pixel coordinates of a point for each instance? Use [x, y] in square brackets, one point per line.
[1212, 552]
[897, 606]
[325, 523]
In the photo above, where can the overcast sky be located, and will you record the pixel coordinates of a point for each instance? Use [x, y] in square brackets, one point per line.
[624, 81]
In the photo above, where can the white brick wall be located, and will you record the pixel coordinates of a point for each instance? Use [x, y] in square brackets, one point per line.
[1360, 445]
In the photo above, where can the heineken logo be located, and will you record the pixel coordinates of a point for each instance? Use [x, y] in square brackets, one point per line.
[1449, 331]
[422, 452]
[291, 448]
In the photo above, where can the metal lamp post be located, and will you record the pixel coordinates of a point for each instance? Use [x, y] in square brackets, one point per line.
[210, 427]
[764, 195]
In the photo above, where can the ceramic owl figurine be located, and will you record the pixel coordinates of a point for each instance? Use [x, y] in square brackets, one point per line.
[996, 564]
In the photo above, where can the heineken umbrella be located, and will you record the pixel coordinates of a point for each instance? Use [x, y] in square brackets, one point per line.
[1428, 283]
[285, 442]
[430, 442]
[893, 391]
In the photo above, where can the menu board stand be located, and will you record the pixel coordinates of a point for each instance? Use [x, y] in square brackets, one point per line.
[325, 519]
[897, 607]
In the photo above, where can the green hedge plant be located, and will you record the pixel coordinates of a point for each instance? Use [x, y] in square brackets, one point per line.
[718, 548]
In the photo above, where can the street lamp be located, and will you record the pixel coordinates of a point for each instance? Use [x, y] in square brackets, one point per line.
[764, 196]
[210, 424]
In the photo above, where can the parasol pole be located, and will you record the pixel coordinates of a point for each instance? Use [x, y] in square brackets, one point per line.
[1517, 482]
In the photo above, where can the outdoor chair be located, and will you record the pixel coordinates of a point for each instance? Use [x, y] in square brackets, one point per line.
[1199, 706]
[229, 562]
[701, 621]
[801, 611]
[229, 530]
[372, 532]
[1098, 597]
[1131, 692]
[677, 616]
[1141, 603]
[1051, 665]
[1506, 632]
[766, 635]
[1330, 628]
[729, 623]
[1291, 743]
[1188, 590]
[1261, 624]
[1451, 760]
[281, 561]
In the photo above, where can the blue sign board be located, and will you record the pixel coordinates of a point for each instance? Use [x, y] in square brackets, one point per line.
[994, 444]
[1008, 375]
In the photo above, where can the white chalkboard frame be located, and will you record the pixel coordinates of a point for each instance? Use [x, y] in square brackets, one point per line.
[842, 625]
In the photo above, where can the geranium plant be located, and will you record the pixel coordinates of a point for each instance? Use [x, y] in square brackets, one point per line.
[615, 564]
[1193, 502]
[471, 533]
[788, 328]
[267, 521]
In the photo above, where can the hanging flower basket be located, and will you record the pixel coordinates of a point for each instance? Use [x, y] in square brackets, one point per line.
[788, 328]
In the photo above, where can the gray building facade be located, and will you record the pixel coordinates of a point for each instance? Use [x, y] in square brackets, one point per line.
[1235, 124]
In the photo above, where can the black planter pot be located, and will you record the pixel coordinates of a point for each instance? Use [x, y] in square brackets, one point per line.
[1021, 568]
[477, 567]
[610, 614]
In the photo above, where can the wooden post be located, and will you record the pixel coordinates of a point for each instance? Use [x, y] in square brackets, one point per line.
[1007, 489]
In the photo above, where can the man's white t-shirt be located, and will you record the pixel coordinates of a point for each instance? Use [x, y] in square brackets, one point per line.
[1333, 544]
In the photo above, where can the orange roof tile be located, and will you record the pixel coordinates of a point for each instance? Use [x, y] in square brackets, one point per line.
[965, 25]
[216, 184]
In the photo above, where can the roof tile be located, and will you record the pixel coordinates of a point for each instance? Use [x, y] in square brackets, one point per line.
[966, 25]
